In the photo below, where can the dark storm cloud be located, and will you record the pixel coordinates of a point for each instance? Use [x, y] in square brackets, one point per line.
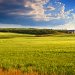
[10, 5]
[23, 7]
[12, 11]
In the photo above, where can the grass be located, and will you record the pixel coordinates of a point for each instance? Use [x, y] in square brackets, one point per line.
[54, 54]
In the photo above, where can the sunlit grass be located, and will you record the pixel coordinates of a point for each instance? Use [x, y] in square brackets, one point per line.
[45, 54]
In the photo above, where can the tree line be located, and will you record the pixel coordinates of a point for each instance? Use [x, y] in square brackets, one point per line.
[33, 31]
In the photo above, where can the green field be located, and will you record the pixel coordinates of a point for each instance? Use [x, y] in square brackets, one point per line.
[45, 54]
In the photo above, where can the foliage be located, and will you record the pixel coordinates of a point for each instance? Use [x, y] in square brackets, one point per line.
[32, 31]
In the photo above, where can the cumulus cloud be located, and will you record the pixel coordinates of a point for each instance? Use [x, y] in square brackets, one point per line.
[70, 25]
[39, 10]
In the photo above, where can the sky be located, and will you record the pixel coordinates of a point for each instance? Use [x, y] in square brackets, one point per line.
[53, 14]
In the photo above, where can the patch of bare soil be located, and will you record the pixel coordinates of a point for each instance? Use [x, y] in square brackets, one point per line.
[15, 72]
[19, 72]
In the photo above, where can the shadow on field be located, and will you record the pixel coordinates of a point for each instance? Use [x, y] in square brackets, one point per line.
[17, 36]
[6, 37]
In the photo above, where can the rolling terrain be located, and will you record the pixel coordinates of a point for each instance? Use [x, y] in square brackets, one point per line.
[37, 55]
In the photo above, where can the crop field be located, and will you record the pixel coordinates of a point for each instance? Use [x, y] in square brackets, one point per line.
[37, 55]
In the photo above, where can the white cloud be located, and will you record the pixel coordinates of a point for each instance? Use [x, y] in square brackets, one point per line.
[70, 25]
[11, 26]
[38, 11]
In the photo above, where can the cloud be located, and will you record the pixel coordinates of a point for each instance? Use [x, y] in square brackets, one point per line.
[50, 8]
[70, 25]
[11, 26]
[34, 12]
[38, 10]
[46, 10]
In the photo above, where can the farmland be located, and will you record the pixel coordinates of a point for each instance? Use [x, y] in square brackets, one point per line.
[47, 55]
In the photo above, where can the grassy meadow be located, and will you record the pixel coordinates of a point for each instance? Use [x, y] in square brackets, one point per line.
[47, 55]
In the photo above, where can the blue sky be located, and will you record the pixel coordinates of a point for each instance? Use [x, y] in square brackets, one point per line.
[69, 4]
[56, 14]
